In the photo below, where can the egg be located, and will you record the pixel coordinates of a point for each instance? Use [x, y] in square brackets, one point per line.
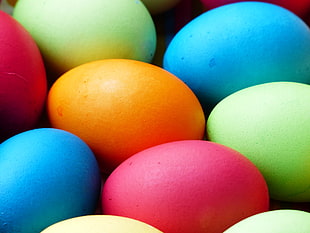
[46, 175]
[186, 186]
[23, 85]
[269, 124]
[276, 221]
[239, 45]
[101, 223]
[70, 33]
[120, 107]
[299, 7]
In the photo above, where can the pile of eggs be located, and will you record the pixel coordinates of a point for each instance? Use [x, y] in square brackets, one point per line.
[154, 116]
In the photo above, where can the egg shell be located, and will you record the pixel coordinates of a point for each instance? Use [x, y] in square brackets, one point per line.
[23, 85]
[239, 45]
[186, 186]
[102, 224]
[299, 7]
[276, 221]
[120, 107]
[269, 124]
[46, 175]
[72, 32]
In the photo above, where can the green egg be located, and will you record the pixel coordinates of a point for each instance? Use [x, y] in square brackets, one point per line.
[269, 124]
[276, 221]
[72, 32]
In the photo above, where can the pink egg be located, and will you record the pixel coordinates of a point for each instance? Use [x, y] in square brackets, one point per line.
[299, 7]
[191, 186]
[22, 78]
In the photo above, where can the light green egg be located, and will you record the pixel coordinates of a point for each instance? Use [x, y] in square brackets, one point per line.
[72, 32]
[276, 221]
[269, 124]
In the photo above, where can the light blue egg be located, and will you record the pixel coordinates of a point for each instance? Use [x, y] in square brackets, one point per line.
[239, 45]
[46, 175]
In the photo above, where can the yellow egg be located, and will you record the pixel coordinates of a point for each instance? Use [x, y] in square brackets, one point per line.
[102, 224]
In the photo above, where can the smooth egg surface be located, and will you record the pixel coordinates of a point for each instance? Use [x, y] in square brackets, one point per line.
[299, 7]
[46, 175]
[276, 221]
[102, 224]
[120, 107]
[186, 186]
[239, 45]
[23, 84]
[72, 32]
[270, 124]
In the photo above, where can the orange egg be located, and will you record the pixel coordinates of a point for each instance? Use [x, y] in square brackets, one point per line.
[120, 107]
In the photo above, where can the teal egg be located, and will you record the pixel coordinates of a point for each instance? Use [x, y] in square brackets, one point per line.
[46, 175]
[270, 124]
[239, 45]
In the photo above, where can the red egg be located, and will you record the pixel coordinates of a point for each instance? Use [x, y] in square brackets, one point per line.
[23, 84]
[299, 7]
[191, 186]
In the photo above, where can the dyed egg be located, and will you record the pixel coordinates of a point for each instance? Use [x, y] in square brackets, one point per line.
[70, 33]
[23, 85]
[276, 221]
[101, 223]
[120, 107]
[186, 186]
[239, 45]
[160, 6]
[300, 7]
[269, 124]
[46, 175]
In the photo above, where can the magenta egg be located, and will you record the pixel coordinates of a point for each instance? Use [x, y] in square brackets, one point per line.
[23, 84]
[299, 7]
[190, 186]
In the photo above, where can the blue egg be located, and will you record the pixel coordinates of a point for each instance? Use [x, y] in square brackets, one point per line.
[239, 45]
[46, 175]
